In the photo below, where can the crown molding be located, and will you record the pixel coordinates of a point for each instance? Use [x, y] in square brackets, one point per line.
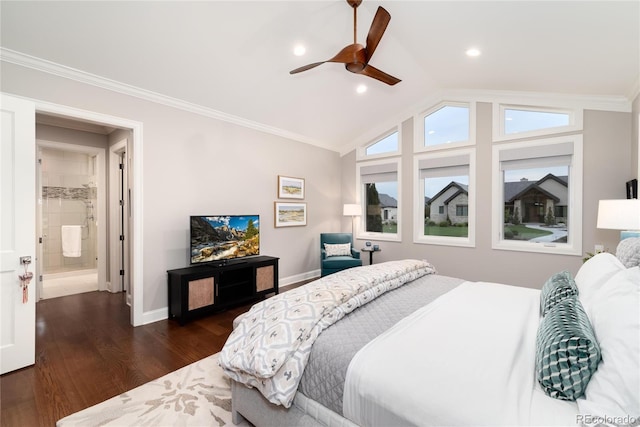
[45, 66]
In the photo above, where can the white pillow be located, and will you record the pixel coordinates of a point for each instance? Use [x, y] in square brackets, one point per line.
[337, 249]
[614, 389]
[593, 275]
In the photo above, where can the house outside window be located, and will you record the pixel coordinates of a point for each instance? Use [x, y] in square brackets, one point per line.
[380, 189]
[538, 184]
[444, 203]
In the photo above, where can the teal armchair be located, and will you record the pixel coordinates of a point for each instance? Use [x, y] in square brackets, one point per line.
[333, 263]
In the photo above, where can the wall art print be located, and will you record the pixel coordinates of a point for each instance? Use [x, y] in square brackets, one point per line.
[290, 188]
[290, 214]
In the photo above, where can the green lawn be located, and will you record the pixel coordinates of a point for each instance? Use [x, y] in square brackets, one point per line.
[390, 228]
[434, 230]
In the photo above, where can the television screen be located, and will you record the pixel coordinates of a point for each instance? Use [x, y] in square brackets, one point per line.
[216, 238]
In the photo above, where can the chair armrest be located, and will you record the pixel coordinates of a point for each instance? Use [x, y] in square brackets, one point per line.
[355, 253]
[323, 254]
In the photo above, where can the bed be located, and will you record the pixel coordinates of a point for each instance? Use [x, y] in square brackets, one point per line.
[412, 347]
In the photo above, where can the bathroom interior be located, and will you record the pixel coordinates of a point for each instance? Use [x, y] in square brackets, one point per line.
[69, 231]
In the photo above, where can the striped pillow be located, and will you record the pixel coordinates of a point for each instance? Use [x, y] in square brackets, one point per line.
[559, 287]
[567, 353]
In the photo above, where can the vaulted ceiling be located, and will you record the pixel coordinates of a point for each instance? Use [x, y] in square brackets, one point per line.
[234, 57]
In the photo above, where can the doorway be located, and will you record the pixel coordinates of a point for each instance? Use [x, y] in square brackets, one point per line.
[75, 211]
[71, 242]
[117, 129]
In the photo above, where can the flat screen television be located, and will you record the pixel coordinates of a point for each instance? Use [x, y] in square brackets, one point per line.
[222, 238]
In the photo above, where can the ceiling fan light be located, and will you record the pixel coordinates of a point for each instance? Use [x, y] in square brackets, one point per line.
[361, 89]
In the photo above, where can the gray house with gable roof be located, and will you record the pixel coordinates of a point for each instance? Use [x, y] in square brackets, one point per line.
[529, 201]
[451, 202]
[532, 201]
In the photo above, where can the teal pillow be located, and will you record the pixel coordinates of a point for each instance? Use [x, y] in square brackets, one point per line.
[559, 287]
[567, 353]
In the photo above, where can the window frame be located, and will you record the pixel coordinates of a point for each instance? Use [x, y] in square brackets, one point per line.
[418, 119]
[499, 121]
[575, 196]
[418, 205]
[361, 232]
[361, 152]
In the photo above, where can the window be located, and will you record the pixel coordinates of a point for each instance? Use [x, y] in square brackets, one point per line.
[380, 191]
[539, 186]
[514, 121]
[518, 121]
[386, 145]
[444, 200]
[445, 125]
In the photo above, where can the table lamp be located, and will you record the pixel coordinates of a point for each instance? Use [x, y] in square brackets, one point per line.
[620, 214]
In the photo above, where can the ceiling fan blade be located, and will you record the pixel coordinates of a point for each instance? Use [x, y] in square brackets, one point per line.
[378, 27]
[373, 72]
[306, 67]
[348, 54]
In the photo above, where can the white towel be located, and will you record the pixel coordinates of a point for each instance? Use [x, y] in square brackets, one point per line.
[71, 241]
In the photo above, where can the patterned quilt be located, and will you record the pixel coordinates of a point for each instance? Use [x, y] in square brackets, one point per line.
[270, 345]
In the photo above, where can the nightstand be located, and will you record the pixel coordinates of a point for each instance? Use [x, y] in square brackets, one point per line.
[371, 250]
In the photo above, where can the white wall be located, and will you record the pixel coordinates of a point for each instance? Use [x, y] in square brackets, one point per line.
[607, 166]
[197, 165]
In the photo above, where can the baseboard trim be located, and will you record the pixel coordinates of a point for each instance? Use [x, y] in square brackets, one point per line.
[155, 315]
[286, 281]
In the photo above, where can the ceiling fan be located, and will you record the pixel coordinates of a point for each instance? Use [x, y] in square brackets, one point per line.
[355, 56]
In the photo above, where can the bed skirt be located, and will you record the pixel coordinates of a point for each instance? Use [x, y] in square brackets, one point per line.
[248, 403]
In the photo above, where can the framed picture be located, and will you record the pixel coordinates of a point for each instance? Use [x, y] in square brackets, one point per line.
[290, 188]
[290, 214]
[632, 189]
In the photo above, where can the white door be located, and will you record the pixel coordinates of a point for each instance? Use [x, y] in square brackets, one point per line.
[17, 233]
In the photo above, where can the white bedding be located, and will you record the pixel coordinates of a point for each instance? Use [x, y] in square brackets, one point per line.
[468, 358]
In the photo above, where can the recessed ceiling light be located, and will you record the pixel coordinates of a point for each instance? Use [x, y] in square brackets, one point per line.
[361, 89]
[473, 52]
[299, 50]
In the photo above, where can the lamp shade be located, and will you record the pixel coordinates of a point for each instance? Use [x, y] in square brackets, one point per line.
[621, 214]
[351, 210]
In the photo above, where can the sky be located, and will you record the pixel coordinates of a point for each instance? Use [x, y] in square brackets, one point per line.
[238, 222]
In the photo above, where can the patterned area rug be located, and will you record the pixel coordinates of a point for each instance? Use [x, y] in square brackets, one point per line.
[196, 395]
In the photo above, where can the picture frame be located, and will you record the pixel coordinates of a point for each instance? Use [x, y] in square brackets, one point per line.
[290, 214]
[632, 189]
[290, 187]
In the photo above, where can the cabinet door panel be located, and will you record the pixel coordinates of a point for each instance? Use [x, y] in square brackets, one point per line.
[264, 278]
[201, 293]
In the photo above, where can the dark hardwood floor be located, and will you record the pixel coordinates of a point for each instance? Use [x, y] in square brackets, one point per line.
[87, 351]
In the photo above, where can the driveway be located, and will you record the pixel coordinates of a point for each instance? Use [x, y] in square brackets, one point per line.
[556, 233]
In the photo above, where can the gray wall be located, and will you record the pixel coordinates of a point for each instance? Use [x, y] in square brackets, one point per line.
[607, 165]
[198, 165]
